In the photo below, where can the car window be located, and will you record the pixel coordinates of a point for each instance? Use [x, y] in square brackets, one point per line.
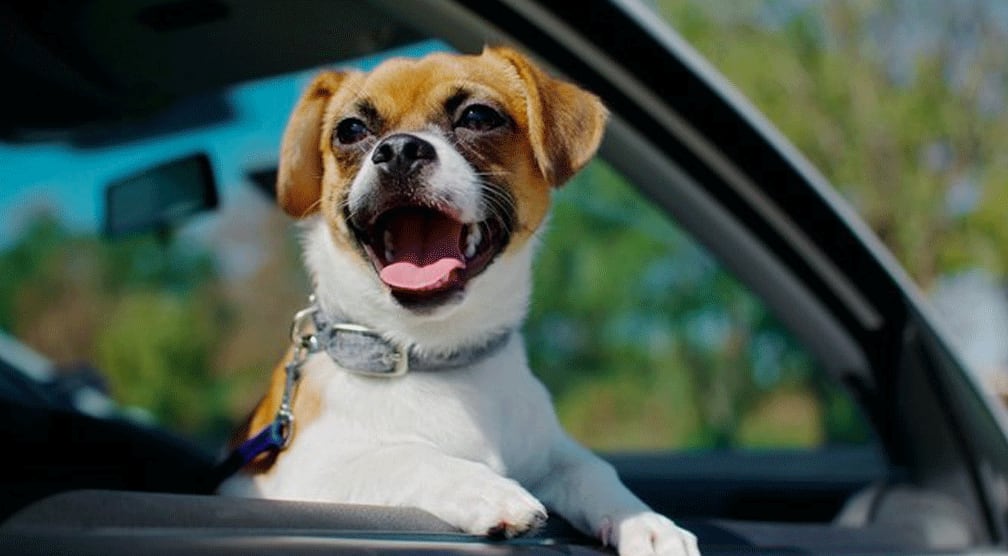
[645, 342]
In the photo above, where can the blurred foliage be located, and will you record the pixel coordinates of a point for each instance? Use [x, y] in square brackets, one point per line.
[171, 335]
[647, 343]
[899, 103]
[156, 351]
[142, 312]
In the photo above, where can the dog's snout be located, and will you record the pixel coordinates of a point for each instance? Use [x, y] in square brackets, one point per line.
[403, 153]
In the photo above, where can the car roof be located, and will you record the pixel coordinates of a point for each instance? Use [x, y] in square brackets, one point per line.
[67, 70]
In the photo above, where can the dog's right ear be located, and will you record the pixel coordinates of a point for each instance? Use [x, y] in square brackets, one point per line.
[299, 176]
[565, 123]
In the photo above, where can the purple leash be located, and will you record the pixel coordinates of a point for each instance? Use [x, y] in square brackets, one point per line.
[267, 440]
[270, 438]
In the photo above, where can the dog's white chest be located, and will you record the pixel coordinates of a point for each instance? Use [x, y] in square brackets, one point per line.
[494, 413]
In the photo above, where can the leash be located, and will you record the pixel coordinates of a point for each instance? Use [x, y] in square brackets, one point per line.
[358, 349]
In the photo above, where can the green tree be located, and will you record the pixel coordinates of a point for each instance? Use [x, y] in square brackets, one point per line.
[647, 343]
[146, 313]
[156, 351]
[912, 134]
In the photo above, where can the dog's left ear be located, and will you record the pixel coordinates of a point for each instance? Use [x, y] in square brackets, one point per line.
[565, 123]
[299, 176]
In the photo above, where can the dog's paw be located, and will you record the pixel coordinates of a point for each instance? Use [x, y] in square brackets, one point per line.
[649, 533]
[501, 508]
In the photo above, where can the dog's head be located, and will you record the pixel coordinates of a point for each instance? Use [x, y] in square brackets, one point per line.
[433, 170]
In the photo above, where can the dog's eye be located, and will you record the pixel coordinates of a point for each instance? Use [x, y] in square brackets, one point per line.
[479, 117]
[350, 131]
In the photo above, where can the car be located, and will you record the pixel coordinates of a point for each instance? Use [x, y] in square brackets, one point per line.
[926, 465]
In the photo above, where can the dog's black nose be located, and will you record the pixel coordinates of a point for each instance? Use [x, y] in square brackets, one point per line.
[403, 153]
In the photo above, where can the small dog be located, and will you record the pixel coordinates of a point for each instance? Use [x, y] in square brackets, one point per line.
[422, 185]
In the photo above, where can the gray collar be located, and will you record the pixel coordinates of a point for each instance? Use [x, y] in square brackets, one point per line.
[365, 351]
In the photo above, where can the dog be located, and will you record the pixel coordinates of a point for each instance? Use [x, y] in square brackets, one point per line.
[423, 185]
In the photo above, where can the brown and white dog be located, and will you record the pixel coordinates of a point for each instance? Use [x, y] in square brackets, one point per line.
[422, 185]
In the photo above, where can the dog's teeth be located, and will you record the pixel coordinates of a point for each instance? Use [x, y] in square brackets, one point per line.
[476, 234]
[389, 250]
[473, 240]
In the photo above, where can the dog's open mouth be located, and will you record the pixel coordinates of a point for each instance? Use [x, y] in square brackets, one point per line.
[422, 253]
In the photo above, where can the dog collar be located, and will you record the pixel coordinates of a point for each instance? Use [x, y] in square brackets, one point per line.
[364, 351]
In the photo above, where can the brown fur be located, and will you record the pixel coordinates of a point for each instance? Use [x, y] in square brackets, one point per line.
[564, 123]
[300, 172]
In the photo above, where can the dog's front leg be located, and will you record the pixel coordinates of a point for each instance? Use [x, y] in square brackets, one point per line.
[586, 491]
[463, 493]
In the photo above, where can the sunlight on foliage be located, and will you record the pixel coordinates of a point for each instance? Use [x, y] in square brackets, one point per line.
[156, 352]
[911, 131]
[648, 344]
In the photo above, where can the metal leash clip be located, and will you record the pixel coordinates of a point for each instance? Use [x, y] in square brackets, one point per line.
[305, 343]
[278, 434]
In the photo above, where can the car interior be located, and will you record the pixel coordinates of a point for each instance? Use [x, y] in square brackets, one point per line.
[931, 478]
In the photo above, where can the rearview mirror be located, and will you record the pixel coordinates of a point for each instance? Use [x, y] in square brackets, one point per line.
[159, 198]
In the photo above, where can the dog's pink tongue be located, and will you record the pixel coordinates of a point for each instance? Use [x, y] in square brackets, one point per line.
[425, 251]
[408, 276]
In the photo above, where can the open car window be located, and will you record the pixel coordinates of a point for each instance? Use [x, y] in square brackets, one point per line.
[648, 343]
[645, 341]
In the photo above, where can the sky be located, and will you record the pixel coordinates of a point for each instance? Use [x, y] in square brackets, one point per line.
[69, 181]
